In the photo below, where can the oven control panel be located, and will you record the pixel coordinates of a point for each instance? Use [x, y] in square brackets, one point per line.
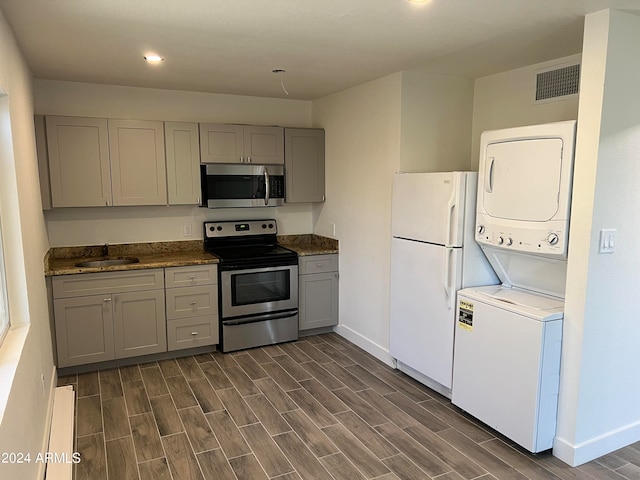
[240, 228]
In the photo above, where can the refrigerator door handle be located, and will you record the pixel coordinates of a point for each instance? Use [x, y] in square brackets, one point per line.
[451, 206]
[448, 288]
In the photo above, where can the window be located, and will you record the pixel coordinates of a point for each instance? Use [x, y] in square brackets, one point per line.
[4, 303]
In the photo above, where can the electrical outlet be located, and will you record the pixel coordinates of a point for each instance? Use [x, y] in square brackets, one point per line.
[333, 229]
[43, 384]
[187, 230]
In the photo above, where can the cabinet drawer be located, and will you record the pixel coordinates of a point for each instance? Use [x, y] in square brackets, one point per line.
[318, 264]
[83, 284]
[192, 332]
[191, 276]
[192, 301]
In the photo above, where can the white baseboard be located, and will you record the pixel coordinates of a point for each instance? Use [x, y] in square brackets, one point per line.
[596, 447]
[53, 380]
[366, 344]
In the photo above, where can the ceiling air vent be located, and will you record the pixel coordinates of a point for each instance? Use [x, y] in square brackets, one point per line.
[558, 83]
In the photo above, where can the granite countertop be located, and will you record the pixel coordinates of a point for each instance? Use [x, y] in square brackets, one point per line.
[309, 244]
[62, 260]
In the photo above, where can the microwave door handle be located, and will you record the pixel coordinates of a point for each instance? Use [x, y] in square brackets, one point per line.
[266, 186]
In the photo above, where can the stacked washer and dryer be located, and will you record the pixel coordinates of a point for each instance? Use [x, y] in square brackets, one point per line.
[508, 337]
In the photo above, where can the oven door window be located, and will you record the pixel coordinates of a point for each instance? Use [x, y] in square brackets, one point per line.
[260, 287]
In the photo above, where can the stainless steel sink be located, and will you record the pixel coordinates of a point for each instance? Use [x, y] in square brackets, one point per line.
[107, 262]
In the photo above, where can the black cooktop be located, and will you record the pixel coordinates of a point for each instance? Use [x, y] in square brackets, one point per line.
[246, 243]
[251, 252]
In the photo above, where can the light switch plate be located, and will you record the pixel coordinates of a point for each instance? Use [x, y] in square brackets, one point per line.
[608, 240]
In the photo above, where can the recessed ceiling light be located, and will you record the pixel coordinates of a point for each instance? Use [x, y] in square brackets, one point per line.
[153, 58]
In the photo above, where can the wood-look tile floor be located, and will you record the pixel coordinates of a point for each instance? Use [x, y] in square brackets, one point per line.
[319, 408]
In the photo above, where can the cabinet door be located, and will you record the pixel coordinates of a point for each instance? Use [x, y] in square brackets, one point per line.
[84, 330]
[221, 143]
[183, 163]
[304, 165]
[264, 145]
[318, 300]
[78, 151]
[140, 327]
[43, 161]
[138, 167]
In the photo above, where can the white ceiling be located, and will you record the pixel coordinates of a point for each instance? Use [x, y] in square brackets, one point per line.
[231, 46]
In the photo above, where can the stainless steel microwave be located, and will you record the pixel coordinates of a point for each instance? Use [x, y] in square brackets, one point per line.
[227, 185]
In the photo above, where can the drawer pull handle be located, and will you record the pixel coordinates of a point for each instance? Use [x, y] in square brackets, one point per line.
[193, 302]
[319, 265]
[106, 299]
[194, 333]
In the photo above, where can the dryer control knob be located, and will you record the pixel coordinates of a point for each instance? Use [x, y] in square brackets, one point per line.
[500, 240]
[509, 241]
[481, 229]
[553, 238]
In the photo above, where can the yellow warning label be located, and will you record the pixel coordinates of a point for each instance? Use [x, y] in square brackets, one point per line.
[465, 315]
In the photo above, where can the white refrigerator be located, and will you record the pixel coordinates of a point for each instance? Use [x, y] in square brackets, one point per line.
[433, 255]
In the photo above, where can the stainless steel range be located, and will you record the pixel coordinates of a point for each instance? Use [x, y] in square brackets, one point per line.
[257, 281]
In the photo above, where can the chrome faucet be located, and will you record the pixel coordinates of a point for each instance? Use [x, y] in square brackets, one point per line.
[105, 250]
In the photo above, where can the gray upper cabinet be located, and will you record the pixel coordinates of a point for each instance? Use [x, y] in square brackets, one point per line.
[138, 170]
[264, 144]
[182, 148]
[222, 143]
[78, 150]
[95, 162]
[304, 165]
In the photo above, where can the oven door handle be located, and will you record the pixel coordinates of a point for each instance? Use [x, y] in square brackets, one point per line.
[267, 187]
[261, 318]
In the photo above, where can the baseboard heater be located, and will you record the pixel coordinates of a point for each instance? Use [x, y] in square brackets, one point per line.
[60, 451]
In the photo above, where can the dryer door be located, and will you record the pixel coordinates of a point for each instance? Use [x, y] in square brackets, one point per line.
[521, 179]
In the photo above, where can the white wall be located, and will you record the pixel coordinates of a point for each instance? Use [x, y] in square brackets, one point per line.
[80, 226]
[436, 117]
[507, 100]
[600, 391]
[411, 121]
[24, 422]
[362, 147]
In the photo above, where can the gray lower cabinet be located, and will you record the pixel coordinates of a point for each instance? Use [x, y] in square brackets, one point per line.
[318, 291]
[84, 330]
[192, 306]
[107, 316]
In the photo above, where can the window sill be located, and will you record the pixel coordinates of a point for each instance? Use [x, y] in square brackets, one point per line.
[10, 354]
